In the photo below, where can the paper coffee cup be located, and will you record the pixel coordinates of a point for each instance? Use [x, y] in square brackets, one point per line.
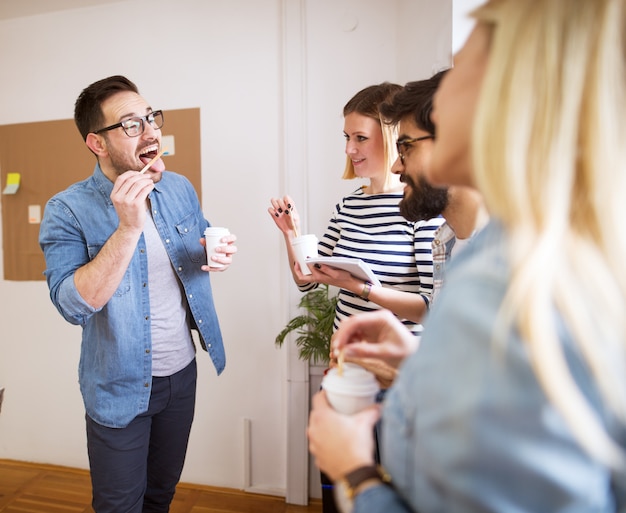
[353, 390]
[213, 236]
[304, 247]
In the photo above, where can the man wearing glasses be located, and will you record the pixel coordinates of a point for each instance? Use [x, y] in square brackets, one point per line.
[461, 207]
[125, 260]
[463, 212]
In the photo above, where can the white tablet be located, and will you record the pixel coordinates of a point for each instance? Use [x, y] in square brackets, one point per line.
[355, 266]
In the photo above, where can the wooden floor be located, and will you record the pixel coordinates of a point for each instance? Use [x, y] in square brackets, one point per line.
[32, 488]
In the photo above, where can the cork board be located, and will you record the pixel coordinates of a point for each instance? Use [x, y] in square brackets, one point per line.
[50, 156]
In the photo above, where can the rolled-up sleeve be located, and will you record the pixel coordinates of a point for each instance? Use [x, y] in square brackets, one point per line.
[65, 250]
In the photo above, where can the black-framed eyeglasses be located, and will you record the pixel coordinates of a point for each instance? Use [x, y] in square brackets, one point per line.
[403, 145]
[134, 127]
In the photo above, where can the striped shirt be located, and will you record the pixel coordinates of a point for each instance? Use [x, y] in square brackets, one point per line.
[399, 252]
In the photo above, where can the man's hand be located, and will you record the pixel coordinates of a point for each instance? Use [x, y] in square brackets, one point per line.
[97, 280]
[224, 253]
[129, 196]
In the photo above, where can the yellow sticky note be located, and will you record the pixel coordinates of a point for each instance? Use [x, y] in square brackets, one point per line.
[13, 183]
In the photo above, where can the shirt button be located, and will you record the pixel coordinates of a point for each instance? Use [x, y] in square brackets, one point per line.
[190, 296]
[167, 241]
[186, 230]
[209, 345]
[438, 267]
[154, 212]
[437, 242]
[180, 268]
[147, 317]
[200, 321]
[147, 351]
[146, 385]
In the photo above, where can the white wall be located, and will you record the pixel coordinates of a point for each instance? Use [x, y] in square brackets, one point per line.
[230, 58]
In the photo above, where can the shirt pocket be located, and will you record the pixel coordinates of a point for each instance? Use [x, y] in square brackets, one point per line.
[189, 232]
[124, 286]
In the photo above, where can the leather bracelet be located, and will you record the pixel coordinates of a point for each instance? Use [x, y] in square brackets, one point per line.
[367, 288]
[352, 481]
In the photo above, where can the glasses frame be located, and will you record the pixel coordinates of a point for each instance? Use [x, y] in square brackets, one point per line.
[142, 120]
[406, 143]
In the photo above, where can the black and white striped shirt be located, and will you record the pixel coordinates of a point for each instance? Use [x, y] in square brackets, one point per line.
[399, 252]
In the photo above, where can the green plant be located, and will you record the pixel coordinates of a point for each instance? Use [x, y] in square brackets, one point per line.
[314, 327]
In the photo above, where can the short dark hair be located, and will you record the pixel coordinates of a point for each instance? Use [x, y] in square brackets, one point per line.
[415, 99]
[88, 114]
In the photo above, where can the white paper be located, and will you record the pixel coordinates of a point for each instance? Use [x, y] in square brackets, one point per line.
[355, 266]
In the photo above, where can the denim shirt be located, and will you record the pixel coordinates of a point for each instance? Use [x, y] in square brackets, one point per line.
[115, 368]
[466, 427]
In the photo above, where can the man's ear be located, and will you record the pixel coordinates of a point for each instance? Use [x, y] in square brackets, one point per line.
[96, 144]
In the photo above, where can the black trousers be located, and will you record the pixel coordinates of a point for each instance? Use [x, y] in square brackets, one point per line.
[136, 469]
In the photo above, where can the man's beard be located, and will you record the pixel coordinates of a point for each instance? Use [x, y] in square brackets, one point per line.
[424, 201]
[121, 162]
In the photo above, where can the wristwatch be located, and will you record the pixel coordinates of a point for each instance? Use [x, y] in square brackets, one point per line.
[349, 485]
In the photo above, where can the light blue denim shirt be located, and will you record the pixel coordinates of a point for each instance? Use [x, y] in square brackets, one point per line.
[467, 428]
[115, 369]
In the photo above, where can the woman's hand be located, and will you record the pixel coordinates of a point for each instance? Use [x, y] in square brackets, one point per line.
[339, 278]
[385, 373]
[299, 277]
[340, 443]
[285, 215]
[379, 335]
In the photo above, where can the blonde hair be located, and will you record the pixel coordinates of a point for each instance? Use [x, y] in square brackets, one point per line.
[550, 160]
[367, 102]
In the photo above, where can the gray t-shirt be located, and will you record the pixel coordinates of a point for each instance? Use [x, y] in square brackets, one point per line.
[172, 345]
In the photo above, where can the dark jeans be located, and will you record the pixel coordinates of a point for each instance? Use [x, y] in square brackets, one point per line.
[135, 469]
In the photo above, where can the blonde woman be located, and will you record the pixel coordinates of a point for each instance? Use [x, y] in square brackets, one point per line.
[516, 399]
[367, 224]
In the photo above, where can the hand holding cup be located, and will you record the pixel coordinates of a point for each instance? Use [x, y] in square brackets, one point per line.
[350, 388]
[213, 236]
[304, 247]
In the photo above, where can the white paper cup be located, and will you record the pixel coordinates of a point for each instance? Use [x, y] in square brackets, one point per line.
[354, 390]
[304, 247]
[213, 236]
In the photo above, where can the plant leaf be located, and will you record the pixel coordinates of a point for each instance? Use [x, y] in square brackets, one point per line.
[314, 327]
